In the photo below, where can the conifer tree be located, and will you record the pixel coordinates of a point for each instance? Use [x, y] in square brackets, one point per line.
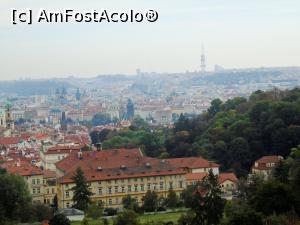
[81, 190]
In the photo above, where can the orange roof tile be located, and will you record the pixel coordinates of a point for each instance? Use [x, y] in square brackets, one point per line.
[24, 168]
[192, 162]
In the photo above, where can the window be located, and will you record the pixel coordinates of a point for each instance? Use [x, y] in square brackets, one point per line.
[109, 190]
[135, 188]
[33, 181]
[180, 184]
[149, 186]
[47, 190]
[148, 178]
[129, 188]
[135, 179]
[142, 179]
[100, 191]
[154, 186]
[37, 181]
[142, 187]
[110, 201]
[171, 185]
[116, 189]
[161, 178]
[161, 185]
[33, 191]
[99, 182]
[68, 204]
[53, 191]
[123, 189]
[67, 194]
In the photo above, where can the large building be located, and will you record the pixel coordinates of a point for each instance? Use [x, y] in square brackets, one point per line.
[265, 165]
[113, 174]
[52, 155]
[32, 175]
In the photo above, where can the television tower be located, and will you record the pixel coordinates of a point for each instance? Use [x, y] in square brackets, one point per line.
[203, 65]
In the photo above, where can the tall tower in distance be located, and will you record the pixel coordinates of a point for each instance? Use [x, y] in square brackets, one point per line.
[203, 64]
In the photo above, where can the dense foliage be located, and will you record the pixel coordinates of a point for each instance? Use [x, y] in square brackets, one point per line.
[233, 133]
[15, 201]
[81, 190]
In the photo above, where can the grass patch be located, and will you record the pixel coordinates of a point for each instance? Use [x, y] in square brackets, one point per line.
[155, 217]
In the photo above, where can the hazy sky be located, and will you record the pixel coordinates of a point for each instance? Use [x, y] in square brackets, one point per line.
[235, 33]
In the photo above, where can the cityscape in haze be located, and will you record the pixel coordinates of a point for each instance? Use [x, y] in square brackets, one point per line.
[190, 118]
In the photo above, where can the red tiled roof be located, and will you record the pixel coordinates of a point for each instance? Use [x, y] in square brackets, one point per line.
[49, 174]
[106, 159]
[192, 163]
[94, 175]
[195, 176]
[261, 164]
[9, 140]
[227, 176]
[222, 177]
[24, 168]
[269, 159]
[63, 149]
[41, 136]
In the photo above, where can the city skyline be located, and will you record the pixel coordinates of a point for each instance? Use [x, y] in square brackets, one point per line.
[235, 35]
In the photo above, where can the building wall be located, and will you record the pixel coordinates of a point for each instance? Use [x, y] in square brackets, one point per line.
[110, 193]
[201, 170]
[36, 187]
[49, 160]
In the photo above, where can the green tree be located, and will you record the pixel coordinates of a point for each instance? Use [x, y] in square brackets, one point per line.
[95, 137]
[55, 203]
[14, 197]
[172, 199]
[243, 215]
[150, 201]
[94, 211]
[127, 217]
[81, 190]
[130, 203]
[207, 203]
[281, 172]
[239, 156]
[273, 196]
[215, 107]
[59, 219]
[101, 119]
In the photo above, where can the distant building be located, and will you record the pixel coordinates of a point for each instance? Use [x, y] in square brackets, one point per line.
[265, 165]
[2, 117]
[54, 154]
[130, 110]
[78, 95]
[32, 175]
[227, 181]
[6, 120]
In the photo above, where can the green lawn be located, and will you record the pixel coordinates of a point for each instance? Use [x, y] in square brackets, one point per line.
[162, 217]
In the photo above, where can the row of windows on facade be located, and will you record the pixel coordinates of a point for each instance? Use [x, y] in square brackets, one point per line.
[131, 179]
[110, 202]
[136, 188]
[38, 190]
